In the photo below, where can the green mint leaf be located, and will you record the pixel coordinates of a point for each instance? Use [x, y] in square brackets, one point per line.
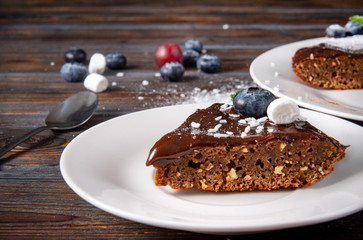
[234, 94]
[357, 18]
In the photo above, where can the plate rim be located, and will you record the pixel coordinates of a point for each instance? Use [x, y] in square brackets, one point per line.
[190, 227]
[311, 106]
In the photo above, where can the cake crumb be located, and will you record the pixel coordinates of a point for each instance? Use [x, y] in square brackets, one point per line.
[209, 167]
[304, 168]
[202, 182]
[282, 146]
[329, 153]
[321, 171]
[278, 170]
[231, 175]
[247, 177]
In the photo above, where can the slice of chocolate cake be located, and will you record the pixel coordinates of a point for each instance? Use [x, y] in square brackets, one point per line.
[335, 63]
[218, 149]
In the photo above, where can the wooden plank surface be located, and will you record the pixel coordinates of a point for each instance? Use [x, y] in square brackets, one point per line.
[35, 202]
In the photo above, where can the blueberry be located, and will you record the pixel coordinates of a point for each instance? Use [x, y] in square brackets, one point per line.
[75, 55]
[252, 102]
[190, 58]
[353, 28]
[194, 45]
[335, 30]
[115, 61]
[209, 63]
[73, 72]
[172, 72]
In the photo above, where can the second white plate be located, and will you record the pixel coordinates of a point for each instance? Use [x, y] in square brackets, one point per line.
[105, 165]
[272, 70]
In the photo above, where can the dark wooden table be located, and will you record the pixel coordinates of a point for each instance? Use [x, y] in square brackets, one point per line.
[35, 202]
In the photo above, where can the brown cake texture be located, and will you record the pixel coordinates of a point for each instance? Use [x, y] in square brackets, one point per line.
[219, 150]
[329, 67]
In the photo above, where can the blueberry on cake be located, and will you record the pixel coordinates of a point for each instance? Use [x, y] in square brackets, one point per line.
[219, 149]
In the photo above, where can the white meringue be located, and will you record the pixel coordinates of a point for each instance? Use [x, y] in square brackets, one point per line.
[283, 111]
[96, 82]
[97, 63]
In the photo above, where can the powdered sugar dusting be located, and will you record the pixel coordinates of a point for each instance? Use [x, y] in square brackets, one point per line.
[351, 44]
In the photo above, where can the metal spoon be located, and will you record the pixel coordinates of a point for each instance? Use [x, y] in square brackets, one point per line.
[71, 113]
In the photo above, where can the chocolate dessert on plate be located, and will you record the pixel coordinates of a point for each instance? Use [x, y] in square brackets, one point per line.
[221, 149]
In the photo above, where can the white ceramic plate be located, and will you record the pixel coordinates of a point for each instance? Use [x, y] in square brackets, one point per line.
[272, 70]
[105, 165]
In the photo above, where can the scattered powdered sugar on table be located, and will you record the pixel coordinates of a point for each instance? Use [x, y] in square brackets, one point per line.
[204, 90]
[214, 95]
[225, 26]
[207, 96]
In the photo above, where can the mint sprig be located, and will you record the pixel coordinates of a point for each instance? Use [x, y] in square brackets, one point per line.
[357, 18]
[234, 94]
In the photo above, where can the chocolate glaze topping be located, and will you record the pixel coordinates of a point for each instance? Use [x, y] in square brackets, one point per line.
[322, 50]
[220, 125]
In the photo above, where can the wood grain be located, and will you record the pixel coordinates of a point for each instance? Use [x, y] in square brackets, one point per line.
[35, 202]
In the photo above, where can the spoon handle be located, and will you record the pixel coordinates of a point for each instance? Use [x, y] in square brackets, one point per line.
[21, 139]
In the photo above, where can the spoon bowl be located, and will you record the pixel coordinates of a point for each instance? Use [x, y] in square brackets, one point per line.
[71, 113]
